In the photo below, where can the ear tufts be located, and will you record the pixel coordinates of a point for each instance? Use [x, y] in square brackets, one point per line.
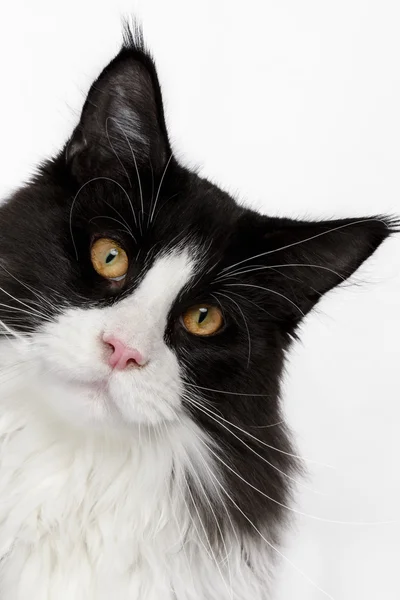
[392, 223]
[132, 36]
[122, 125]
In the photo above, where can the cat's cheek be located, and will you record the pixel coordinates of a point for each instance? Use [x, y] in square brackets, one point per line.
[70, 347]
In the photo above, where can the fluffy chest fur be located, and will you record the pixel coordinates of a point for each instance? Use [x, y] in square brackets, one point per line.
[93, 516]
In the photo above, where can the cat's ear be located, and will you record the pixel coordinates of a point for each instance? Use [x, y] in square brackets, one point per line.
[299, 261]
[122, 121]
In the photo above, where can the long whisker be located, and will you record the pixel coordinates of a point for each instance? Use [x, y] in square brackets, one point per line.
[306, 577]
[120, 216]
[289, 508]
[214, 558]
[209, 414]
[256, 439]
[250, 301]
[204, 251]
[182, 533]
[137, 175]
[223, 504]
[41, 314]
[27, 330]
[313, 237]
[194, 473]
[14, 334]
[31, 313]
[260, 287]
[162, 206]
[77, 195]
[139, 181]
[199, 536]
[127, 230]
[165, 248]
[115, 152]
[309, 460]
[199, 387]
[244, 320]
[28, 287]
[152, 182]
[242, 271]
[158, 191]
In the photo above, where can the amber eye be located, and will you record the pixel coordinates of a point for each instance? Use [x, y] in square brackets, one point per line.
[109, 259]
[203, 319]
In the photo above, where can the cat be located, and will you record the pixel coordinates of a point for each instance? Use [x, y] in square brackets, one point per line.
[145, 317]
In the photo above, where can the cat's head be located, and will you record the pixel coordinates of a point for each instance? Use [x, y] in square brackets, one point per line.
[145, 292]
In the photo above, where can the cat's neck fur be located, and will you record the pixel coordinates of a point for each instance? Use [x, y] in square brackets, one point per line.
[115, 509]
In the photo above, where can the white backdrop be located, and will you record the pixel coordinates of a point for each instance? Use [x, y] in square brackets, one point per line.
[294, 107]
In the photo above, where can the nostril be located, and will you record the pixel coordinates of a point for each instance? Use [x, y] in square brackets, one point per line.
[133, 357]
[132, 361]
[122, 355]
[110, 346]
[111, 353]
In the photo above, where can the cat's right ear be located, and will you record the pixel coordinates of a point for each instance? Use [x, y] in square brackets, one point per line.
[122, 124]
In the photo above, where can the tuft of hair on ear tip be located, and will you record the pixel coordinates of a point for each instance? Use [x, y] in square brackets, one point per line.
[132, 35]
[392, 224]
[384, 226]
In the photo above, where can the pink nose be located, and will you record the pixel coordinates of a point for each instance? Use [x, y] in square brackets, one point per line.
[122, 355]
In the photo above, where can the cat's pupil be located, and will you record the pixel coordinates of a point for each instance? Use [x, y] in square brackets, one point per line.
[111, 255]
[203, 312]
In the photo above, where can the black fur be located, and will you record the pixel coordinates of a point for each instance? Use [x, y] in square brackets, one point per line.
[120, 154]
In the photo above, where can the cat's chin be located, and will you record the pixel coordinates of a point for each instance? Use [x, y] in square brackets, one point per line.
[103, 404]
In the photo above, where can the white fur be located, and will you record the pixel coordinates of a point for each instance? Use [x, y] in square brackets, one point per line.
[72, 349]
[94, 503]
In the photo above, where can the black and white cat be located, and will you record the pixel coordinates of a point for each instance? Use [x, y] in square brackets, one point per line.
[145, 317]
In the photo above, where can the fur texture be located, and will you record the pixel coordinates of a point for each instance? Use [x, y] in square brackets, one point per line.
[171, 480]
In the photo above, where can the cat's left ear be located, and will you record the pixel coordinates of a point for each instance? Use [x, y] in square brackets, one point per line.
[122, 121]
[294, 263]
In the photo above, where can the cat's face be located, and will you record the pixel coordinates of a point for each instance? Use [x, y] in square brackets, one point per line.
[116, 360]
[145, 292]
